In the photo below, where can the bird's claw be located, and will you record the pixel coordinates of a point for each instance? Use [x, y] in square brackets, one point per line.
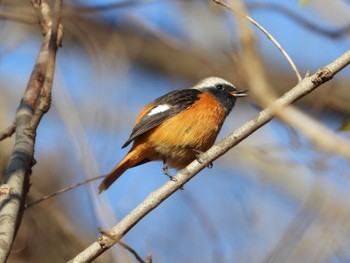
[172, 178]
[167, 173]
[198, 158]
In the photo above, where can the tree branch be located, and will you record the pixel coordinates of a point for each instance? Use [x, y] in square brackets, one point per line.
[268, 35]
[127, 247]
[303, 88]
[8, 132]
[35, 102]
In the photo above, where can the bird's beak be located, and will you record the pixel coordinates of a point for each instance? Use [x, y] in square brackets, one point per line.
[239, 93]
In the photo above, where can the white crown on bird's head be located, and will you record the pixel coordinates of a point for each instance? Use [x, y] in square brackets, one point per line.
[211, 82]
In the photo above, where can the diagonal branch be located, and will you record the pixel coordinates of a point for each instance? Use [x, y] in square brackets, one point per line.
[303, 88]
[35, 102]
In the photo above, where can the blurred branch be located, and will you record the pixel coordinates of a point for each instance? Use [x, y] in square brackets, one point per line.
[86, 159]
[60, 239]
[34, 104]
[336, 33]
[23, 15]
[303, 88]
[317, 132]
[322, 208]
[297, 229]
[207, 224]
[8, 132]
[18, 14]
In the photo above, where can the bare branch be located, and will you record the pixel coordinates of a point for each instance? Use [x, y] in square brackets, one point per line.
[126, 246]
[273, 40]
[8, 132]
[35, 102]
[304, 87]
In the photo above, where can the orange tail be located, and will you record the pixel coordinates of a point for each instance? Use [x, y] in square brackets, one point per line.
[130, 160]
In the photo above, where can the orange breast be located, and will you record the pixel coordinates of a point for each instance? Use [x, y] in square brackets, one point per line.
[195, 128]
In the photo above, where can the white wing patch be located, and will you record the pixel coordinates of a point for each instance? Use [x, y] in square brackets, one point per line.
[159, 109]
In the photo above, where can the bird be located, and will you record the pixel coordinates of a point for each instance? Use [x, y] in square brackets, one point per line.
[177, 126]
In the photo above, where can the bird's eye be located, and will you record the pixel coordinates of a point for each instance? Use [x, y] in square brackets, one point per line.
[220, 87]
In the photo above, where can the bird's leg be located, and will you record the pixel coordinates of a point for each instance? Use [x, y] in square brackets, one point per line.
[198, 157]
[166, 171]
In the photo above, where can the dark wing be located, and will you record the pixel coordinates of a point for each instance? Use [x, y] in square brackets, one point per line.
[177, 100]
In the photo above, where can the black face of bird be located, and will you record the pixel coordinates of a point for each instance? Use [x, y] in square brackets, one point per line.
[225, 92]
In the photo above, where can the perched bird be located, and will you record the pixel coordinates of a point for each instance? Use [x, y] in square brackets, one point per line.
[175, 127]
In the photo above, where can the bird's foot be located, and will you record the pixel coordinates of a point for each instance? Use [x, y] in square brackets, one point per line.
[167, 173]
[198, 157]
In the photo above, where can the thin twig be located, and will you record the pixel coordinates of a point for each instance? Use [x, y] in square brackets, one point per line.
[8, 132]
[274, 41]
[304, 87]
[63, 190]
[127, 247]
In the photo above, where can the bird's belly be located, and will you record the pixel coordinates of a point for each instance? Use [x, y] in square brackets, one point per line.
[179, 139]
